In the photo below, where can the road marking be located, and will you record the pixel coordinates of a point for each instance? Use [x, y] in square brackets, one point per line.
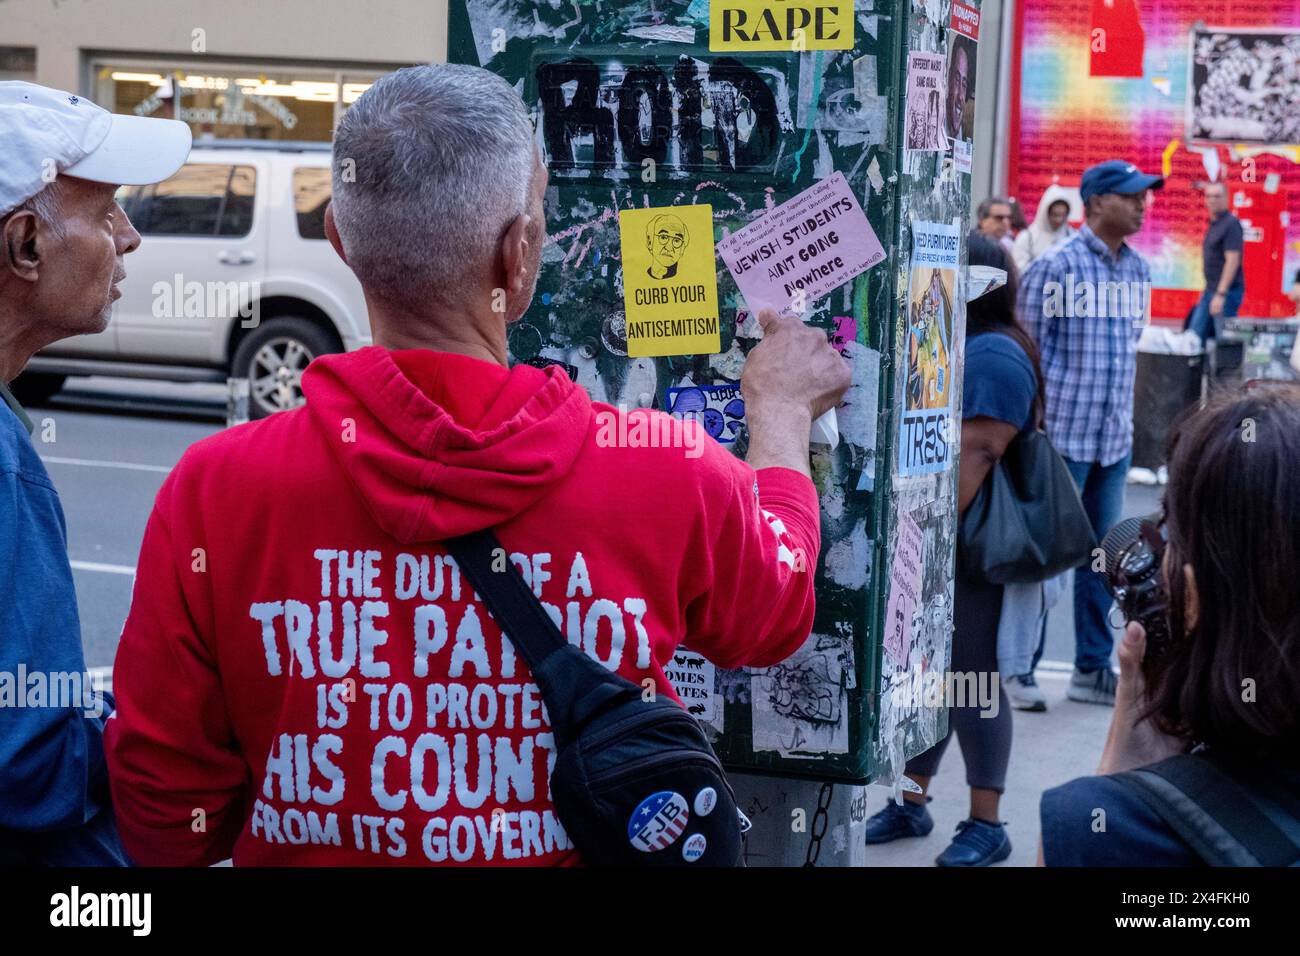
[1054, 670]
[102, 568]
[92, 463]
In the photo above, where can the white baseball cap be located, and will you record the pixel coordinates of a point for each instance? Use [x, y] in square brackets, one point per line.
[49, 132]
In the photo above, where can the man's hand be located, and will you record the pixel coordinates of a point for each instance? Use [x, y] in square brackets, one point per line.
[1216, 304]
[792, 377]
[794, 365]
[1133, 742]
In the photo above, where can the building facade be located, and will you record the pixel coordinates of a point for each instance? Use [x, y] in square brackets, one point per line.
[273, 71]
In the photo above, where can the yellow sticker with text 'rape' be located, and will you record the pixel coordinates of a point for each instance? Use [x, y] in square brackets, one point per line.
[744, 26]
[670, 281]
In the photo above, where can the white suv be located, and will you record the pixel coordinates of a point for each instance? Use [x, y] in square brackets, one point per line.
[234, 277]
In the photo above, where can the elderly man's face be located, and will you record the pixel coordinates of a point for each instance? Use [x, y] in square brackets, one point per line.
[79, 274]
[667, 240]
[998, 222]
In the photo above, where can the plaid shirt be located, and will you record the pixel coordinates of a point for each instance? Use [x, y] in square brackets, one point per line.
[1086, 308]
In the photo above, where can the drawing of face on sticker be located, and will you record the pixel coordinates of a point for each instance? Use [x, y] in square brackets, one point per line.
[719, 409]
[658, 821]
[667, 238]
[670, 281]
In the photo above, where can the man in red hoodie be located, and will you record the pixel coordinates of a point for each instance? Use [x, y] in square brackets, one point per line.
[305, 677]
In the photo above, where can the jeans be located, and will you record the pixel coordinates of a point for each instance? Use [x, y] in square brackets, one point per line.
[1203, 323]
[1102, 490]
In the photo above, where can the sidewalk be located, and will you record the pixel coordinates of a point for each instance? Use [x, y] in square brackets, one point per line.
[1046, 749]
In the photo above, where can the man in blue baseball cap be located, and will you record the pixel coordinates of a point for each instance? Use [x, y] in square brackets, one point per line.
[63, 238]
[1086, 303]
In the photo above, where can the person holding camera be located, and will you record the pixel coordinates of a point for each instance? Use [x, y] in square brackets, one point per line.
[1200, 765]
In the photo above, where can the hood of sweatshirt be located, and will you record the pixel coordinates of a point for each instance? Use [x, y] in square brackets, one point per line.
[1054, 193]
[439, 445]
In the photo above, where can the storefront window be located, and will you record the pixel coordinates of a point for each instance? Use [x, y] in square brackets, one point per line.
[17, 63]
[235, 102]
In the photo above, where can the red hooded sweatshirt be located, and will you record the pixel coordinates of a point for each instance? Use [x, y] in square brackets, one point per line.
[305, 678]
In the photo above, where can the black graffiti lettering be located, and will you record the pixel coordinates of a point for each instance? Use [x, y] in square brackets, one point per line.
[645, 83]
[690, 130]
[562, 122]
[729, 81]
[606, 111]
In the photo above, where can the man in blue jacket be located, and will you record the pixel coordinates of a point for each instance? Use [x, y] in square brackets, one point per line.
[63, 237]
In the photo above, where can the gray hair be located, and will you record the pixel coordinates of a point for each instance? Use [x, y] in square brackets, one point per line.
[45, 206]
[986, 207]
[431, 164]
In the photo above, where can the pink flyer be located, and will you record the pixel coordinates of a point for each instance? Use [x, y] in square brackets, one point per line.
[904, 588]
[804, 248]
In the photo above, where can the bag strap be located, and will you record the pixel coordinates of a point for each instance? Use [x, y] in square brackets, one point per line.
[1212, 811]
[530, 629]
[575, 688]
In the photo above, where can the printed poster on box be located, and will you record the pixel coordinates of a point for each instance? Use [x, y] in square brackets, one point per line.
[926, 428]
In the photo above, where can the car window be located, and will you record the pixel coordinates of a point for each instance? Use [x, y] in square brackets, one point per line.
[202, 199]
[311, 194]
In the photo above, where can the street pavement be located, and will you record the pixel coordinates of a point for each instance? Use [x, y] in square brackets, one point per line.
[113, 441]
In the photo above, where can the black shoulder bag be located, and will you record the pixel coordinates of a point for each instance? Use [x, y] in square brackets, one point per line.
[636, 782]
[1027, 522]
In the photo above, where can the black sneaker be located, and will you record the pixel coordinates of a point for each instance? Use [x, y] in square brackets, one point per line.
[977, 843]
[1093, 687]
[895, 822]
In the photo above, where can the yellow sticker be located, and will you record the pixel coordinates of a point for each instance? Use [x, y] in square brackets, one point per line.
[748, 25]
[670, 281]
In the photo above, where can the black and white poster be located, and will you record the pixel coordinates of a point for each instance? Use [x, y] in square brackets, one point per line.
[1244, 86]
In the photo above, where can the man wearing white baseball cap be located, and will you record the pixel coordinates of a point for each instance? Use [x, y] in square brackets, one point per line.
[63, 237]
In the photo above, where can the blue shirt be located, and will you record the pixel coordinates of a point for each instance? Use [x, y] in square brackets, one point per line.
[54, 800]
[1094, 821]
[1086, 307]
[999, 381]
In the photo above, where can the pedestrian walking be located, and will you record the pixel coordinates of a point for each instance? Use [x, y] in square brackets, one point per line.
[1002, 397]
[1086, 306]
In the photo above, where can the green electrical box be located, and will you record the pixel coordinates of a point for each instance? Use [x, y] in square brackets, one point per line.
[738, 106]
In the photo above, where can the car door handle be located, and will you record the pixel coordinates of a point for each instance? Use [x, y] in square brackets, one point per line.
[240, 257]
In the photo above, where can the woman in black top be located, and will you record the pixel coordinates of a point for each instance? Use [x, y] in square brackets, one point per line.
[1227, 681]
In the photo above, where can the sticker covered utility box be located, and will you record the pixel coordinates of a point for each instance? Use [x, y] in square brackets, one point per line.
[708, 159]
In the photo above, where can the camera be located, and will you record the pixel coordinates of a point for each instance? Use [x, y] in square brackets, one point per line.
[1134, 552]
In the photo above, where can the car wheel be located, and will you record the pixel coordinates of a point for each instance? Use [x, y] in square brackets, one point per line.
[273, 358]
[36, 388]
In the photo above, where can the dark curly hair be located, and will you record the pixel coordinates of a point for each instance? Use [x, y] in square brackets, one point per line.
[1231, 679]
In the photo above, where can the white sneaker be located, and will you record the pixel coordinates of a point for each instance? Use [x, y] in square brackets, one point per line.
[1023, 692]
